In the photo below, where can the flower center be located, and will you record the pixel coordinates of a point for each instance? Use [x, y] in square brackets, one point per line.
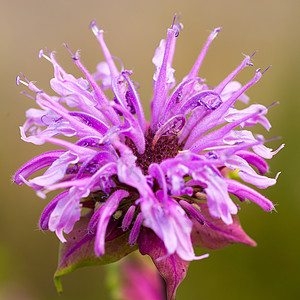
[166, 147]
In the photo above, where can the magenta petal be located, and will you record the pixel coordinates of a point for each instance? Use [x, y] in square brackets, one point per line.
[160, 86]
[57, 170]
[91, 121]
[172, 268]
[255, 160]
[210, 121]
[245, 192]
[66, 213]
[105, 212]
[175, 98]
[215, 234]
[49, 209]
[136, 103]
[193, 73]
[132, 128]
[37, 163]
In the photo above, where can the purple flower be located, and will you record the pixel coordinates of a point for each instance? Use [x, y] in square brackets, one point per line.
[162, 186]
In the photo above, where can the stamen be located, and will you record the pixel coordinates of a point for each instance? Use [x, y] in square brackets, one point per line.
[174, 19]
[94, 27]
[266, 69]
[99, 34]
[176, 28]
[274, 103]
[29, 96]
[41, 54]
[193, 211]
[273, 139]
[25, 78]
[134, 234]
[18, 81]
[253, 54]
[128, 218]
[173, 126]
[175, 25]
[74, 57]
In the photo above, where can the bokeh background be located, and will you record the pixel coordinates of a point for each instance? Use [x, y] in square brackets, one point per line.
[133, 30]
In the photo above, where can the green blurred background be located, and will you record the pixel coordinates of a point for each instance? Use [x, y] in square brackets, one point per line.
[133, 30]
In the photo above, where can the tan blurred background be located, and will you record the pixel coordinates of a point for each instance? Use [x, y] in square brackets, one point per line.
[133, 30]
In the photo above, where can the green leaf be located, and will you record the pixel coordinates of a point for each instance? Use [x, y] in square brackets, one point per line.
[78, 251]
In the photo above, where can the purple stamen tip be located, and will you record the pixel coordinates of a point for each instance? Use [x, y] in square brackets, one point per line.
[174, 19]
[94, 27]
[214, 33]
[274, 103]
[49, 53]
[253, 54]
[74, 57]
[27, 95]
[24, 78]
[93, 24]
[273, 139]
[18, 80]
[258, 70]
[41, 53]
[266, 69]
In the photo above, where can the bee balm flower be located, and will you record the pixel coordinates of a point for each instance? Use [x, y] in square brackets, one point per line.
[162, 186]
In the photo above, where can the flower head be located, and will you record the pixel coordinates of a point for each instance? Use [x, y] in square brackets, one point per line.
[165, 185]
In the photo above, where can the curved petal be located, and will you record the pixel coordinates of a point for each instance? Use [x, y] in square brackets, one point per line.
[105, 212]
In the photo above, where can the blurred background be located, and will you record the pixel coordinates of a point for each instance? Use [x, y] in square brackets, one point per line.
[133, 30]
